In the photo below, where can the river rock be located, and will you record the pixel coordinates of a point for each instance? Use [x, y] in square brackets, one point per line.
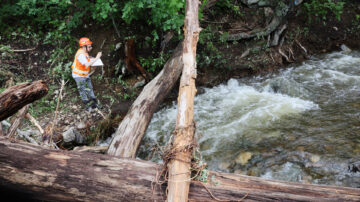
[118, 46]
[79, 139]
[243, 158]
[81, 125]
[224, 165]
[139, 84]
[69, 135]
[73, 136]
[345, 48]
[314, 158]
[240, 172]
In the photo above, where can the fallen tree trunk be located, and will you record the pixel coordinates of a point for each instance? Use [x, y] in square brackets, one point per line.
[16, 97]
[133, 127]
[37, 173]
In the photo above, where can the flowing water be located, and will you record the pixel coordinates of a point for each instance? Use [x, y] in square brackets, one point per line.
[301, 124]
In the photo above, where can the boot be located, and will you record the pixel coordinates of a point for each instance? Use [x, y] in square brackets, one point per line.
[95, 104]
[88, 105]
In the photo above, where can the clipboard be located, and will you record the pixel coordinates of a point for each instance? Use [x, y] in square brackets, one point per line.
[98, 62]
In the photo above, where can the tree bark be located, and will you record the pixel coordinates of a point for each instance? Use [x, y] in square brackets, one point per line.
[133, 127]
[16, 97]
[179, 166]
[131, 62]
[31, 172]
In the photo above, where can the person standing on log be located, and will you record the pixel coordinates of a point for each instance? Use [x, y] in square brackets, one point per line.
[80, 73]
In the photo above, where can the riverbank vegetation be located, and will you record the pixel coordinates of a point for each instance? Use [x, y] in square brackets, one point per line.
[238, 38]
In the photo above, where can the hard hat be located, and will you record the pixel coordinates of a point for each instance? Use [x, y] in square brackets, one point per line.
[84, 41]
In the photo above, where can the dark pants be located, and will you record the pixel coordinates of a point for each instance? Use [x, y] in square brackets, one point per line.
[85, 89]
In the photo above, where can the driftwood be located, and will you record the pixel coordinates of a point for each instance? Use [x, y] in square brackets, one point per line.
[133, 127]
[95, 149]
[1, 130]
[182, 147]
[17, 121]
[34, 122]
[16, 97]
[31, 172]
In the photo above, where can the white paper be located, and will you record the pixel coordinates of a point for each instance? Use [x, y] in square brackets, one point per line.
[98, 62]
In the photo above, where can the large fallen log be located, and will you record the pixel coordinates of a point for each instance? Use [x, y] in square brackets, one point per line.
[16, 97]
[34, 173]
[133, 127]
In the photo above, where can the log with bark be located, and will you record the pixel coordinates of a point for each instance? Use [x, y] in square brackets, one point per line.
[31, 172]
[133, 127]
[16, 97]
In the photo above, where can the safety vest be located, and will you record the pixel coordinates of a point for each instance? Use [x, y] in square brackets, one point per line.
[79, 68]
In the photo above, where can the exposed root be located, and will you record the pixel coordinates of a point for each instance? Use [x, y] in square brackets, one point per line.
[284, 55]
[301, 46]
[198, 168]
[291, 54]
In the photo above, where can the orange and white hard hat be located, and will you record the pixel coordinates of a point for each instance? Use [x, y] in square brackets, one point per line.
[84, 41]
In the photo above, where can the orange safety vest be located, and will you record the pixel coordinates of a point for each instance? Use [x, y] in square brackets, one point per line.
[79, 68]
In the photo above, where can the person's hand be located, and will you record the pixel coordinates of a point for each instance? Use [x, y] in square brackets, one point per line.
[98, 55]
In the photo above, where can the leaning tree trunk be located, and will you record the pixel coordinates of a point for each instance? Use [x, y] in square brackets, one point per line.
[29, 172]
[133, 127]
[16, 97]
[179, 166]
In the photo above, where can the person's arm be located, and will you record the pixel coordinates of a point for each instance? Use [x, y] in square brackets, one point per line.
[93, 61]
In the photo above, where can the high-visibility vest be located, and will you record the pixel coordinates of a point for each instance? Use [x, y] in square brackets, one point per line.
[79, 68]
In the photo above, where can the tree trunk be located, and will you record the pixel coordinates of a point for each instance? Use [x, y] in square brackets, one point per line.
[179, 166]
[131, 62]
[16, 97]
[133, 127]
[29, 172]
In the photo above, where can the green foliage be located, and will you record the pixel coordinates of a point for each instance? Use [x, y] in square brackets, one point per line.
[104, 9]
[52, 22]
[154, 64]
[231, 7]
[46, 104]
[164, 15]
[320, 9]
[209, 54]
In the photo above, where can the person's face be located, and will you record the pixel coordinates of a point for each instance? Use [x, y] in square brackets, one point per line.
[89, 48]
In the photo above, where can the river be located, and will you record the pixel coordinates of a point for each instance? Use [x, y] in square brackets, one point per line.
[300, 124]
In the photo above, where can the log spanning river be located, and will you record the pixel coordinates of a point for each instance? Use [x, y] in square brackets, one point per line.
[301, 124]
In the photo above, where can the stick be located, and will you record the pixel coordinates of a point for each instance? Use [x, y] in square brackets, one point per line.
[116, 29]
[23, 50]
[98, 111]
[34, 121]
[102, 44]
[17, 121]
[54, 122]
[1, 130]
